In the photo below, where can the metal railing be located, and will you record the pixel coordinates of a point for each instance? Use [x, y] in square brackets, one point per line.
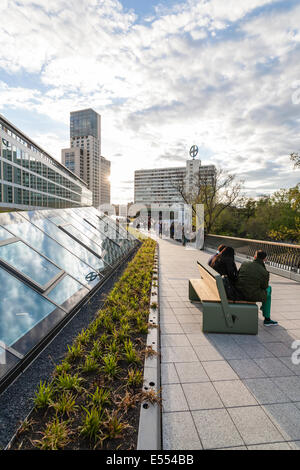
[279, 255]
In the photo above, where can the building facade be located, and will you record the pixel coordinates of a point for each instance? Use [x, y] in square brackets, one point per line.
[30, 178]
[84, 155]
[161, 185]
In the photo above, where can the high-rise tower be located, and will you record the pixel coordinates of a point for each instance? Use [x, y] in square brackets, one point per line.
[85, 134]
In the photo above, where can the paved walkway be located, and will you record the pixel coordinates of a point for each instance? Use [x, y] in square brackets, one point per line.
[226, 391]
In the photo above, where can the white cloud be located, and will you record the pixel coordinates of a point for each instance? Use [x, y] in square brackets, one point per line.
[204, 71]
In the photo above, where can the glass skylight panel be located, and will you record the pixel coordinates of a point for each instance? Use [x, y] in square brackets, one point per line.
[20, 227]
[28, 262]
[84, 239]
[49, 262]
[48, 226]
[21, 308]
[66, 289]
[4, 234]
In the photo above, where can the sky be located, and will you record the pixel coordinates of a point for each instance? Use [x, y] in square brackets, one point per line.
[224, 75]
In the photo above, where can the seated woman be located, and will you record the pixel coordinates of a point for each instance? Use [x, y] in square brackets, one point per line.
[225, 265]
[220, 248]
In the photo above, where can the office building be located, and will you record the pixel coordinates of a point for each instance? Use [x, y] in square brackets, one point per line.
[160, 185]
[30, 178]
[84, 155]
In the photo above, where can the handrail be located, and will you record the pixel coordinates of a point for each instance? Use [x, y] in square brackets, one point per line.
[291, 245]
[280, 255]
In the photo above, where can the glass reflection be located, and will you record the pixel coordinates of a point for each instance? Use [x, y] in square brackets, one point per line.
[53, 231]
[48, 247]
[21, 308]
[4, 234]
[28, 262]
[65, 289]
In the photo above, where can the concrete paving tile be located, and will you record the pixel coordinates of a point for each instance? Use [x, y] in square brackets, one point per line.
[171, 328]
[279, 349]
[290, 386]
[286, 417]
[173, 398]
[198, 339]
[294, 445]
[191, 372]
[293, 367]
[207, 353]
[216, 429]
[189, 319]
[231, 351]
[201, 396]
[179, 432]
[169, 374]
[254, 425]
[178, 354]
[234, 393]
[275, 446]
[273, 367]
[256, 351]
[233, 448]
[184, 311]
[192, 327]
[174, 340]
[168, 319]
[246, 368]
[177, 304]
[219, 370]
[265, 391]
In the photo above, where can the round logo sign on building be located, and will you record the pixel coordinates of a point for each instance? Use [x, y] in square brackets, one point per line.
[194, 151]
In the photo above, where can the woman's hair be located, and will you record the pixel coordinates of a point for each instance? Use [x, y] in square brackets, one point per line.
[227, 252]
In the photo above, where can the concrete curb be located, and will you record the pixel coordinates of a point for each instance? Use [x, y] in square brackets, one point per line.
[149, 434]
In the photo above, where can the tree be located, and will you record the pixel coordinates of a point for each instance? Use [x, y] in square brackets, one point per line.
[295, 157]
[217, 194]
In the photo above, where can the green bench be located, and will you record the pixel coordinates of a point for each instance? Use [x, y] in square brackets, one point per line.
[221, 315]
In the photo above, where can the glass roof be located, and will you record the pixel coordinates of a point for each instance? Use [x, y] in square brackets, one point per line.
[50, 260]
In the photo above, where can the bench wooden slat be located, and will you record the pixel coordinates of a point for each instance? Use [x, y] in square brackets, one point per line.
[204, 291]
[210, 282]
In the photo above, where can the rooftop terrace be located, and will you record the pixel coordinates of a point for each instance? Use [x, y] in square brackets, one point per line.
[226, 391]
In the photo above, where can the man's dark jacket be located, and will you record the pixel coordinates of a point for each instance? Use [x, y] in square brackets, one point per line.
[253, 280]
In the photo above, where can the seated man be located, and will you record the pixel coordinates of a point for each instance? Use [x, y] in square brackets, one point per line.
[253, 284]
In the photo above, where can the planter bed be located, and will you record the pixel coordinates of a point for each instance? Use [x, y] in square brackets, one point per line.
[93, 398]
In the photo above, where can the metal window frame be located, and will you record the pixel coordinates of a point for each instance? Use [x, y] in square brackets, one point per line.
[10, 267]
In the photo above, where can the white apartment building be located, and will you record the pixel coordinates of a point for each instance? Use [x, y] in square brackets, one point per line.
[160, 185]
[84, 155]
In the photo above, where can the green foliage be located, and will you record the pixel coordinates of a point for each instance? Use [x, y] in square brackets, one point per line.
[135, 378]
[275, 217]
[65, 403]
[43, 395]
[92, 422]
[66, 381]
[131, 355]
[56, 435]
[110, 367]
[100, 397]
